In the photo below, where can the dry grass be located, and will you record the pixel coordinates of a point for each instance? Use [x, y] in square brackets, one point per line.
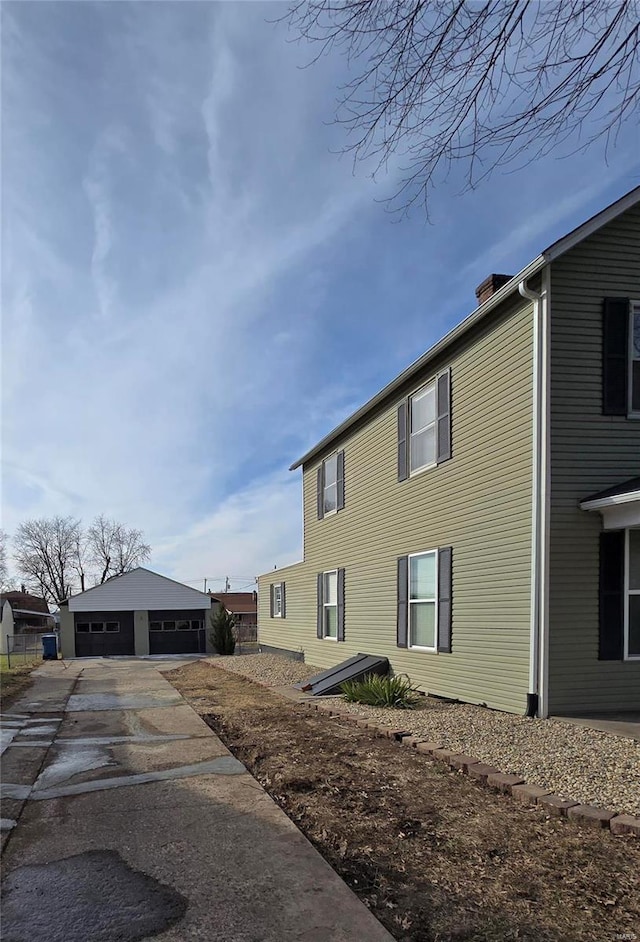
[433, 855]
[14, 680]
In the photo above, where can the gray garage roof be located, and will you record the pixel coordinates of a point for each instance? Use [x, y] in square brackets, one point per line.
[139, 590]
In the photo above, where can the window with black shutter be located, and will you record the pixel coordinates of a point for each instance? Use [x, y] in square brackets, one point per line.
[424, 427]
[425, 597]
[616, 341]
[330, 622]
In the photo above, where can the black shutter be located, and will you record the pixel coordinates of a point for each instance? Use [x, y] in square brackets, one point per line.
[283, 601]
[443, 411]
[272, 606]
[403, 441]
[340, 604]
[403, 601]
[340, 480]
[611, 595]
[320, 496]
[320, 625]
[615, 356]
[445, 598]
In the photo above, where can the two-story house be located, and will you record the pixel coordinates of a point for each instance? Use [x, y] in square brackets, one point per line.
[478, 521]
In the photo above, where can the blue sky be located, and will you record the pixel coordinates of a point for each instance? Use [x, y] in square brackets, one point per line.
[197, 287]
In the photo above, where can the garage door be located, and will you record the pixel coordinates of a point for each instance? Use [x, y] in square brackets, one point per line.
[177, 632]
[101, 634]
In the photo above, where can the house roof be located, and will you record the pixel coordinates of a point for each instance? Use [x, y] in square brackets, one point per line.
[25, 602]
[620, 494]
[238, 603]
[138, 589]
[550, 254]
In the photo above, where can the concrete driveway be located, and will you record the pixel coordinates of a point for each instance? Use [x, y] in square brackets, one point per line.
[124, 817]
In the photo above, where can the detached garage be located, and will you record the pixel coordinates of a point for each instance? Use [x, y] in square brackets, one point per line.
[138, 613]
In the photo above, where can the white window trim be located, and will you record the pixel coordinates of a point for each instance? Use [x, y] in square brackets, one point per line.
[627, 594]
[329, 513]
[277, 614]
[420, 647]
[326, 605]
[432, 464]
[634, 308]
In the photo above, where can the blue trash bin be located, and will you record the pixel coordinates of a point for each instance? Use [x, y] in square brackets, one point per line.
[49, 647]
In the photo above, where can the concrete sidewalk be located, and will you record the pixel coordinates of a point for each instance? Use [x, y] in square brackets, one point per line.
[134, 820]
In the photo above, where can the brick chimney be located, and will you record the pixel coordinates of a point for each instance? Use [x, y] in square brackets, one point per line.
[490, 285]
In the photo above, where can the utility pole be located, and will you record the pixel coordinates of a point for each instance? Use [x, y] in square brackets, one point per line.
[227, 584]
[205, 586]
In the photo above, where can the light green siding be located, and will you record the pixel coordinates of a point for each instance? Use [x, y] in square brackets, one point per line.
[479, 502]
[589, 452]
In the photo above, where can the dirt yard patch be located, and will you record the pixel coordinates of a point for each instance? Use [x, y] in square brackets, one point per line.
[434, 856]
[14, 680]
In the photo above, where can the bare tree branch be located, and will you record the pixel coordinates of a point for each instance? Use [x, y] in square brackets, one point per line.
[114, 548]
[54, 556]
[45, 554]
[478, 83]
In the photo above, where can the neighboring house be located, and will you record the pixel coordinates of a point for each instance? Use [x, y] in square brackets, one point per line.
[6, 627]
[244, 608]
[30, 613]
[139, 612]
[478, 521]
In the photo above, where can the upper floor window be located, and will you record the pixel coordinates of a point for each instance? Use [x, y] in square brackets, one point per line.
[621, 357]
[330, 485]
[330, 489]
[424, 427]
[422, 437]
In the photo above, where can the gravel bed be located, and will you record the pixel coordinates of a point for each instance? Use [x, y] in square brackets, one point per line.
[272, 669]
[589, 766]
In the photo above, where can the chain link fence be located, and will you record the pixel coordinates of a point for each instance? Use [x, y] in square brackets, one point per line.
[23, 648]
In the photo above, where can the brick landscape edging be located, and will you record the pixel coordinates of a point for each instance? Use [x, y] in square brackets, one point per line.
[514, 785]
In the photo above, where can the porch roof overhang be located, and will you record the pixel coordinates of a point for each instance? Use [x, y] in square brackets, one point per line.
[619, 505]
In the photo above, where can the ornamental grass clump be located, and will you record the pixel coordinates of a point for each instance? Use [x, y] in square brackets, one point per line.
[373, 690]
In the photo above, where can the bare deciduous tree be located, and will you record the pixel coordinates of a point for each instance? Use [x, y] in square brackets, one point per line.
[483, 83]
[46, 555]
[56, 557]
[114, 548]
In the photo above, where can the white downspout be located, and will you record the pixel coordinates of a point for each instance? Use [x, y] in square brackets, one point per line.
[538, 640]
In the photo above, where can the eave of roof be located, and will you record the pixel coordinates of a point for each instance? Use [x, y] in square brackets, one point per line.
[550, 254]
[625, 493]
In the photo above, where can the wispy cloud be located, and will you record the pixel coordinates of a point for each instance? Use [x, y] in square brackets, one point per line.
[194, 287]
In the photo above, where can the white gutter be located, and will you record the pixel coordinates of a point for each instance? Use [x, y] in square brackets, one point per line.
[629, 498]
[537, 700]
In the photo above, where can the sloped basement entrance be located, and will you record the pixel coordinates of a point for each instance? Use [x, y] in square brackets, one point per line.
[354, 668]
